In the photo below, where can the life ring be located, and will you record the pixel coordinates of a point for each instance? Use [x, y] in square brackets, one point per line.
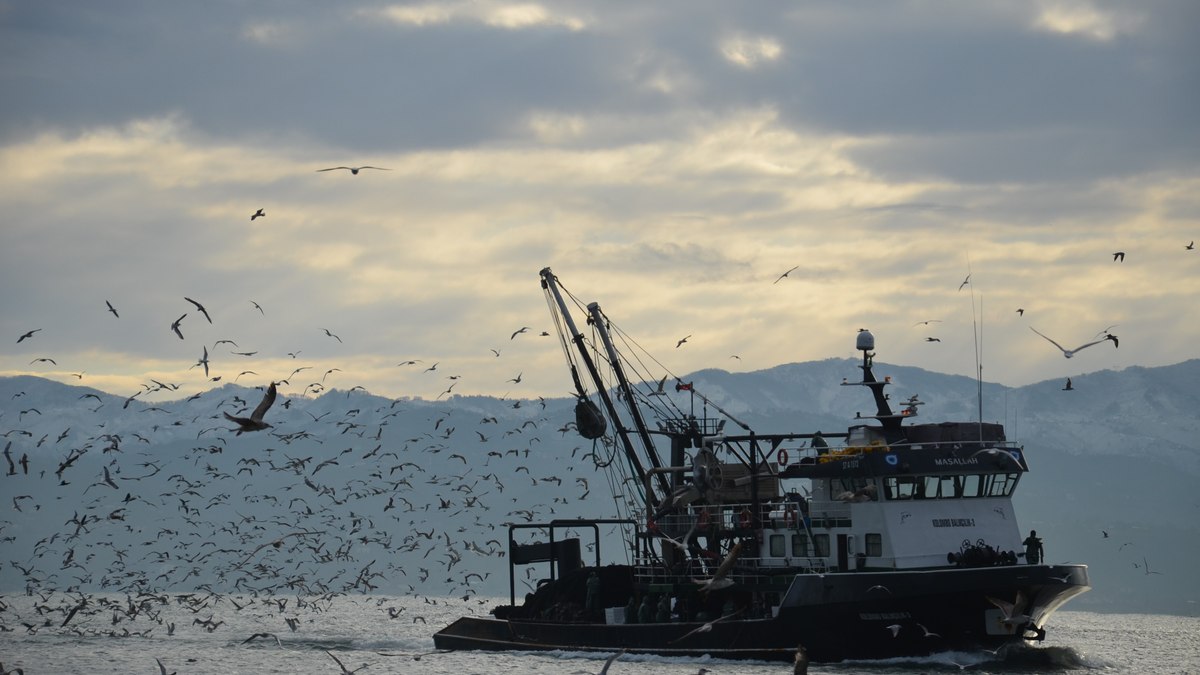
[789, 517]
[744, 518]
[783, 456]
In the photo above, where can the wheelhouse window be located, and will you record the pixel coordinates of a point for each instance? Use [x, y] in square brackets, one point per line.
[999, 484]
[778, 549]
[954, 486]
[821, 544]
[874, 545]
[799, 546]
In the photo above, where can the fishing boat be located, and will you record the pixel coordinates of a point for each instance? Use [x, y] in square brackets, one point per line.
[890, 539]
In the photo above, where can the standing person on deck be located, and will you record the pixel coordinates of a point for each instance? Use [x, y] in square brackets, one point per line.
[1034, 553]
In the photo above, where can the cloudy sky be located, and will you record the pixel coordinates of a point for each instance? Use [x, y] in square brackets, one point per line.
[670, 160]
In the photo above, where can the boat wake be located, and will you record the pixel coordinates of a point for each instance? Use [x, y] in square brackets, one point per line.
[1012, 659]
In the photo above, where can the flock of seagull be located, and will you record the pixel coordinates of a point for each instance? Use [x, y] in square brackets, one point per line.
[126, 512]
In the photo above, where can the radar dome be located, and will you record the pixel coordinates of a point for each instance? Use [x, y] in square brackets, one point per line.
[866, 341]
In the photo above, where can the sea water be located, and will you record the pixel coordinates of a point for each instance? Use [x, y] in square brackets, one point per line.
[388, 634]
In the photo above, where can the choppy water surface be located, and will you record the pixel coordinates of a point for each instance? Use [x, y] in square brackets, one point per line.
[394, 635]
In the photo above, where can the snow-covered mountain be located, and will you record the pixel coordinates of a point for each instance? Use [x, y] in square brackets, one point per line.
[353, 492]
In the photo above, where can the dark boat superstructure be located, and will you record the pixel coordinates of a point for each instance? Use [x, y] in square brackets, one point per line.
[904, 541]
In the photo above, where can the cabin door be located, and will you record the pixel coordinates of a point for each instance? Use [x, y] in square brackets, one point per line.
[843, 553]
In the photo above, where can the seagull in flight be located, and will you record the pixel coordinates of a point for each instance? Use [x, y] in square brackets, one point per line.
[926, 323]
[258, 214]
[345, 670]
[681, 341]
[353, 169]
[1020, 311]
[1119, 256]
[785, 275]
[965, 282]
[28, 335]
[112, 309]
[1014, 612]
[660, 391]
[175, 326]
[1191, 245]
[203, 361]
[1068, 353]
[517, 332]
[200, 307]
[330, 334]
[255, 421]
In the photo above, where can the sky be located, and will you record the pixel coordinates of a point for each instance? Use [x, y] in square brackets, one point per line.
[669, 160]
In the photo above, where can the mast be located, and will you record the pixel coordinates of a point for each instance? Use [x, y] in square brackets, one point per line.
[549, 283]
[615, 360]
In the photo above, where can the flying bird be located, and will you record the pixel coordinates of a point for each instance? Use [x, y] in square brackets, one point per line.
[1021, 311]
[112, 309]
[28, 335]
[1119, 255]
[258, 307]
[43, 360]
[271, 636]
[258, 214]
[203, 361]
[1191, 245]
[517, 332]
[353, 169]
[1014, 612]
[926, 323]
[330, 334]
[965, 282]
[660, 391]
[681, 341]
[1068, 353]
[785, 275]
[175, 326]
[345, 670]
[200, 307]
[933, 339]
[255, 421]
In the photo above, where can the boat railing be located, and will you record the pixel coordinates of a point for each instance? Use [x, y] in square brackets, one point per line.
[738, 516]
[746, 571]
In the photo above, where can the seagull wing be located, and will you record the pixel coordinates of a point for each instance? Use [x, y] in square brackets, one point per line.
[1051, 341]
[1094, 342]
[608, 662]
[334, 168]
[265, 404]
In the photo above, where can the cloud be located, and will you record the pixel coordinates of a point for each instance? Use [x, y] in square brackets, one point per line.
[751, 52]
[510, 16]
[668, 167]
[1085, 19]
